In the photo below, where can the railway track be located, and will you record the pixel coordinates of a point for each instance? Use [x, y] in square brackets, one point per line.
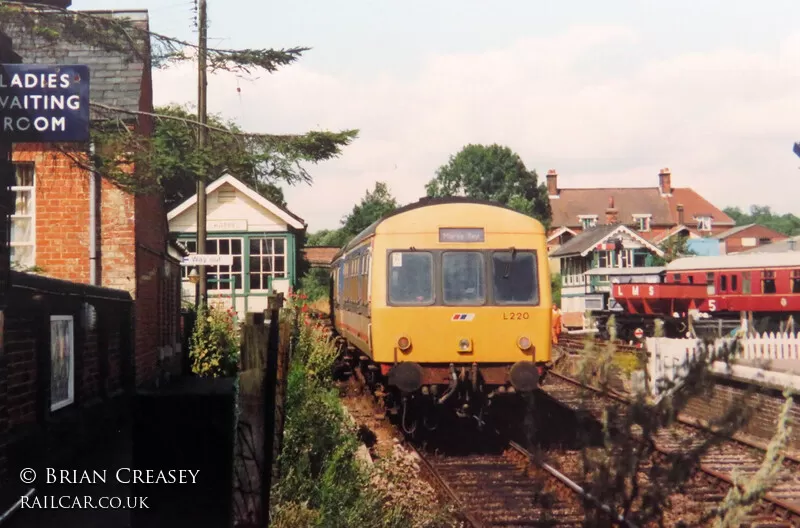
[781, 505]
[512, 489]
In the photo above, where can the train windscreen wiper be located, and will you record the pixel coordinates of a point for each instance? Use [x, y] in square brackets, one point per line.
[510, 263]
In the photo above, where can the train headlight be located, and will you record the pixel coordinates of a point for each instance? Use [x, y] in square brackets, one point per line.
[404, 343]
[464, 345]
[523, 343]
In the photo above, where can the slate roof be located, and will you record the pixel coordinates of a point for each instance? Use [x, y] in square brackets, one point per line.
[115, 78]
[633, 200]
[733, 231]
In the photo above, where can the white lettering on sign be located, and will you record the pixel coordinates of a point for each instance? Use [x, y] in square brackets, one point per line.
[619, 291]
[651, 291]
[41, 103]
[635, 290]
[207, 260]
[226, 225]
[712, 305]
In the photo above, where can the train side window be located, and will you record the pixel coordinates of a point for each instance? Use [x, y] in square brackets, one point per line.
[410, 277]
[710, 283]
[691, 279]
[463, 277]
[723, 283]
[676, 278]
[734, 281]
[515, 277]
[796, 281]
[746, 282]
[768, 282]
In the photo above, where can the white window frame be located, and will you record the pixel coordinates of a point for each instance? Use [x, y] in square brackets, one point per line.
[704, 223]
[16, 189]
[54, 406]
[643, 222]
[588, 221]
[272, 272]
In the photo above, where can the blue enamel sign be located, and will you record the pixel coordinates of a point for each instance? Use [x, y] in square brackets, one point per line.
[44, 104]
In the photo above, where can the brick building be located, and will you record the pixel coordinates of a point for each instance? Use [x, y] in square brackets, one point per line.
[655, 213]
[74, 225]
[746, 237]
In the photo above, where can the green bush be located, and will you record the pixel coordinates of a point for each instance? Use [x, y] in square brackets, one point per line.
[323, 483]
[215, 343]
[316, 283]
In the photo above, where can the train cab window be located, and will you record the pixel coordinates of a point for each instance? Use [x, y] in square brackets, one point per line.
[515, 277]
[463, 277]
[723, 283]
[734, 281]
[768, 282]
[410, 277]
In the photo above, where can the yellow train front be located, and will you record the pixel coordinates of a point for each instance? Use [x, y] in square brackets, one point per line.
[445, 303]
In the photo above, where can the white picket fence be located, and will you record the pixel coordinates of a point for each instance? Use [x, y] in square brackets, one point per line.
[767, 358]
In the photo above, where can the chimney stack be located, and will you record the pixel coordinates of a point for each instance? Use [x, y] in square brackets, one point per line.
[680, 214]
[611, 212]
[665, 182]
[552, 183]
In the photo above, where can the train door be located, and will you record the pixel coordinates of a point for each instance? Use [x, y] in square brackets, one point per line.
[710, 289]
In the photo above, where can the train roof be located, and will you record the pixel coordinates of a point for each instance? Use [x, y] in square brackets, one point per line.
[744, 260]
[422, 202]
[625, 272]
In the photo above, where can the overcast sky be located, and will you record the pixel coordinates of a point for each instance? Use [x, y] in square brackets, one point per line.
[606, 93]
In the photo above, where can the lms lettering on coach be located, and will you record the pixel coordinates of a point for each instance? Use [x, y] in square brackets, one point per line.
[44, 103]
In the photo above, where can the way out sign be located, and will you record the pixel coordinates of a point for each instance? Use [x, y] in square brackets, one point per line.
[44, 104]
[207, 260]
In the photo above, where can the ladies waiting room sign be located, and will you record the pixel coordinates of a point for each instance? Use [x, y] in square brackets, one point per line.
[43, 104]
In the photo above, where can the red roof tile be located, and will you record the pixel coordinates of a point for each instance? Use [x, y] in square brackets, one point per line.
[320, 255]
[695, 205]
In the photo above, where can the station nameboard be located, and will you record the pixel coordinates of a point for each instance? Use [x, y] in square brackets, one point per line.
[44, 103]
[460, 234]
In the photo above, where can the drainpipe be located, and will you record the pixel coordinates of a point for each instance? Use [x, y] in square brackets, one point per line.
[93, 202]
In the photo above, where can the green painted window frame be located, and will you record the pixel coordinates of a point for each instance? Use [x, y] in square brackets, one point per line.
[291, 255]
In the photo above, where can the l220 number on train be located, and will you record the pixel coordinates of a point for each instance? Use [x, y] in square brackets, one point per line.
[508, 316]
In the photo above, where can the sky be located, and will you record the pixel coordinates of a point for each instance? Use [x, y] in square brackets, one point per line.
[605, 93]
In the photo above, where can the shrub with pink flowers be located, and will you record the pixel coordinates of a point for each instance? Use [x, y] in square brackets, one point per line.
[215, 343]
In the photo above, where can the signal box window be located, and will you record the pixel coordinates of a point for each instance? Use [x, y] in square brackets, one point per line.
[410, 277]
[515, 277]
[768, 282]
[463, 277]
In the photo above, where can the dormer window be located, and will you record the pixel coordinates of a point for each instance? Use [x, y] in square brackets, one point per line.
[704, 223]
[642, 222]
[588, 221]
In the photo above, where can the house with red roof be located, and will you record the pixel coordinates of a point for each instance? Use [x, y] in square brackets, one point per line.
[615, 230]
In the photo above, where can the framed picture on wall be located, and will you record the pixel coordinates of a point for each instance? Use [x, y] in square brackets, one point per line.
[62, 361]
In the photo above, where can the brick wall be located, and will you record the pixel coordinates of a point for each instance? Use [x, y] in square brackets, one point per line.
[29, 430]
[766, 403]
[132, 234]
[62, 212]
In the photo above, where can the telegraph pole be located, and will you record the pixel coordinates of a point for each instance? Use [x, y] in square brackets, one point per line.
[202, 139]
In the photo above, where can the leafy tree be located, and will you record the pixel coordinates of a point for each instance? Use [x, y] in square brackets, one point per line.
[171, 156]
[674, 247]
[178, 159]
[494, 173]
[327, 237]
[374, 205]
[555, 287]
[788, 224]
